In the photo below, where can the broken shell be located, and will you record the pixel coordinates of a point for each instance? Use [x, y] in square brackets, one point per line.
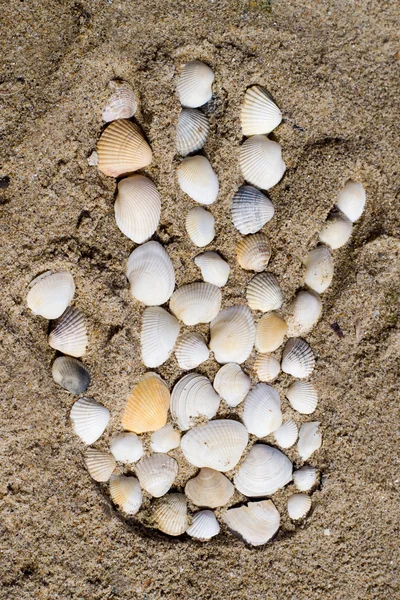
[99, 464]
[126, 447]
[193, 396]
[264, 292]
[159, 333]
[303, 397]
[264, 471]
[310, 439]
[232, 334]
[122, 149]
[50, 294]
[170, 515]
[261, 162]
[156, 473]
[286, 435]
[200, 226]
[197, 179]
[209, 488]
[351, 200]
[270, 331]
[204, 526]
[259, 112]
[194, 84]
[250, 209]
[165, 439]
[191, 350]
[256, 523]
[126, 493]
[319, 269]
[137, 208]
[298, 358]
[262, 411]
[70, 374]
[69, 334]
[147, 407]
[306, 309]
[151, 274]
[192, 131]
[336, 231]
[267, 367]
[253, 252]
[232, 384]
[298, 506]
[213, 268]
[122, 104]
[305, 478]
[89, 419]
[196, 303]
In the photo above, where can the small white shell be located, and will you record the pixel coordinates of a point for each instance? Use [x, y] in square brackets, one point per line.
[336, 231]
[69, 334]
[196, 303]
[306, 309]
[310, 439]
[270, 331]
[351, 200]
[256, 523]
[209, 488]
[261, 162]
[259, 112]
[267, 367]
[192, 131]
[126, 493]
[319, 269]
[232, 384]
[298, 506]
[287, 434]
[70, 374]
[165, 439]
[305, 478]
[50, 294]
[198, 180]
[122, 104]
[250, 209]
[99, 464]
[191, 350]
[194, 84]
[193, 396]
[89, 419]
[126, 447]
[159, 333]
[156, 473]
[264, 293]
[262, 410]
[303, 397]
[232, 334]
[200, 226]
[253, 252]
[170, 515]
[298, 358]
[151, 274]
[264, 471]
[137, 208]
[122, 149]
[204, 525]
[213, 268]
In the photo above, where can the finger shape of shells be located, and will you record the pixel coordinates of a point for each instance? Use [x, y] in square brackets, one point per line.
[232, 334]
[89, 419]
[262, 411]
[336, 231]
[151, 274]
[256, 523]
[159, 333]
[264, 471]
[232, 384]
[196, 303]
[267, 367]
[298, 358]
[193, 396]
[298, 506]
[264, 293]
[194, 84]
[270, 331]
[147, 407]
[305, 478]
[191, 350]
[204, 526]
[170, 514]
[156, 473]
[310, 439]
[125, 492]
[70, 374]
[303, 397]
[214, 269]
[250, 210]
[217, 445]
[122, 149]
[259, 113]
[122, 104]
[261, 162]
[50, 294]
[99, 464]
[306, 311]
[209, 488]
[137, 208]
[165, 439]
[351, 200]
[199, 225]
[69, 334]
[253, 252]
[319, 269]
[198, 180]
[126, 447]
[286, 435]
[192, 131]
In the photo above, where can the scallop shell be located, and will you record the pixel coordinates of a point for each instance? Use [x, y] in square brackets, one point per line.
[50, 294]
[310, 439]
[287, 434]
[232, 334]
[69, 334]
[298, 506]
[256, 523]
[165, 439]
[122, 149]
[267, 367]
[170, 515]
[191, 350]
[89, 419]
[306, 309]
[213, 268]
[193, 396]
[156, 473]
[336, 231]
[137, 208]
[261, 162]
[209, 488]
[196, 303]
[218, 444]
[259, 113]
[194, 84]
[192, 131]
[122, 104]
[200, 226]
[253, 252]
[319, 269]
[70, 374]
[204, 526]
[232, 384]
[151, 274]
[250, 210]
[351, 200]
[270, 331]
[303, 397]
[147, 407]
[99, 464]
[159, 333]
[264, 293]
[298, 358]
[126, 493]
[198, 180]
[262, 410]
[126, 447]
[305, 478]
[264, 471]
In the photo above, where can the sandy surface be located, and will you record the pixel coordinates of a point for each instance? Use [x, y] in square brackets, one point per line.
[334, 70]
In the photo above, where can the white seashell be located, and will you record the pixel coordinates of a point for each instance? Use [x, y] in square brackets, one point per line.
[191, 350]
[147, 406]
[165, 439]
[151, 274]
[259, 112]
[69, 334]
[156, 473]
[200, 226]
[217, 445]
[351, 200]
[232, 384]
[303, 397]
[306, 309]
[261, 162]
[122, 149]
[267, 367]
[159, 333]
[89, 419]
[232, 334]
[209, 488]
[213, 268]
[126, 493]
[70, 374]
[298, 358]
[204, 526]
[336, 231]
[250, 209]
[137, 208]
[253, 252]
[305, 478]
[192, 131]
[196, 303]
[170, 515]
[194, 84]
[193, 396]
[298, 506]
[262, 410]
[122, 104]
[287, 434]
[264, 293]
[256, 523]
[50, 294]
[99, 464]
[264, 471]
[310, 439]
[126, 447]
[270, 331]
[319, 269]
[198, 180]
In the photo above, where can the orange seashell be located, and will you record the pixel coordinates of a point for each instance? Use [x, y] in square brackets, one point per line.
[147, 407]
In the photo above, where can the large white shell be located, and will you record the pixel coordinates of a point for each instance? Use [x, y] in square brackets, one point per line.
[303, 397]
[70, 374]
[250, 210]
[253, 252]
[270, 332]
[336, 231]
[89, 419]
[256, 523]
[137, 208]
[217, 445]
[196, 303]
[122, 149]
[126, 447]
[122, 104]
[298, 358]
[264, 292]
[69, 334]
[305, 478]
[261, 162]
[159, 333]
[156, 473]
[351, 200]
[191, 350]
[198, 180]
[298, 506]
[262, 410]
[306, 309]
[319, 269]
[99, 464]
[204, 525]
[151, 274]
[209, 488]
[264, 471]
[192, 131]
[170, 515]
[259, 112]
[194, 84]
[193, 396]
[232, 334]
[50, 294]
[165, 439]
[232, 384]
[267, 367]
[200, 226]
[126, 493]
[287, 434]
[213, 268]
[310, 439]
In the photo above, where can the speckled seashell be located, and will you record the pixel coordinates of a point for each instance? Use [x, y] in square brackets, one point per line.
[306, 311]
[287, 434]
[267, 367]
[99, 464]
[159, 333]
[232, 384]
[298, 506]
[191, 350]
[256, 523]
[200, 226]
[310, 439]
[303, 397]
[204, 526]
[298, 358]
[89, 419]
[198, 180]
[170, 515]
[137, 208]
[214, 269]
[262, 410]
[264, 471]
[305, 478]
[156, 473]
[122, 104]
[336, 231]
[151, 274]
[261, 162]
[196, 303]
[270, 331]
[50, 294]
[193, 396]
[126, 447]
[319, 269]
[69, 334]
[192, 131]
[253, 252]
[126, 493]
[250, 210]
[165, 439]
[70, 374]
[194, 84]
[351, 200]
[264, 292]
[209, 488]
[147, 407]
[259, 112]
[122, 149]
[232, 334]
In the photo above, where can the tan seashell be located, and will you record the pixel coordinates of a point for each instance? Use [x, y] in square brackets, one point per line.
[70, 374]
[250, 210]
[267, 367]
[99, 464]
[126, 447]
[192, 131]
[89, 419]
[122, 104]
[232, 334]
[193, 396]
[122, 149]
[261, 162]
[213, 268]
[256, 523]
[191, 350]
[170, 515]
[126, 493]
[259, 112]
[194, 84]
[151, 274]
[305, 478]
[298, 358]
[209, 488]
[69, 333]
[156, 473]
[303, 397]
[351, 200]
[306, 311]
[147, 407]
[165, 439]
[336, 231]
[196, 303]
[137, 208]
[50, 294]
[198, 180]
[270, 331]
[287, 434]
[232, 384]
[159, 333]
[264, 293]
[204, 526]
[319, 269]
[253, 252]
[264, 471]
[200, 226]
[298, 506]
[262, 410]
[310, 439]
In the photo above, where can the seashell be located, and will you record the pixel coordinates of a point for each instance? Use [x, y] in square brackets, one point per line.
[286, 435]
[192, 131]
[306, 309]
[151, 274]
[198, 180]
[191, 350]
[298, 506]
[270, 331]
[264, 293]
[351, 200]
[319, 269]
[310, 439]
[159, 333]
[122, 104]
[204, 526]
[194, 84]
[89, 419]
[70, 374]
[232, 334]
[137, 208]
[213, 268]
[165, 439]
[264, 471]
[196, 303]
[259, 112]
[218, 444]
[156, 473]
[147, 407]
[69, 334]
[253, 252]
[126, 447]
[261, 162]
[303, 397]
[262, 411]
[209, 488]
[305, 478]
[267, 367]
[250, 210]
[99, 464]
[232, 384]
[50, 294]
[122, 149]
[125, 492]
[336, 231]
[200, 226]
[193, 396]
[256, 523]
[170, 515]
[298, 358]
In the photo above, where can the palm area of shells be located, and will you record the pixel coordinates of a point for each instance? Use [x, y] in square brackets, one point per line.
[242, 440]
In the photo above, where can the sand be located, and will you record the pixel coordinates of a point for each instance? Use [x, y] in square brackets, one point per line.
[334, 70]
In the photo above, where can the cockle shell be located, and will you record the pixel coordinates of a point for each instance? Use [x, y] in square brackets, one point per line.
[126, 493]
[218, 444]
[156, 473]
[298, 506]
[165, 439]
[303, 397]
[99, 464]
[256, 523]
[261, 162]
[270, 331]
[213, 268]
[70, 374]
[170, 515]
[89, 419]
[122, 149]
[200, 226]
[159, 333]
[126, 447]
[264, 471]
[264, 293]
[253, 252]
[196, 303]
[351, 200]
[336, 231]
[250, 210]
[306, 309]
[267, 367]
[122, 104]
[194, 84]
[204, 526]
[259, 112]
[298, 358]
[193, 396]
[232, 384]
[69, 334]
[147, 407]
[319, 269]
[209, 488]
[310, 439]
[287, 434]
[50, 294]
[151, 274]
[197, 179]
[232, 334]
[262, 411]
[191, 350]
[137, 208]
[305, 478]
[192, 131]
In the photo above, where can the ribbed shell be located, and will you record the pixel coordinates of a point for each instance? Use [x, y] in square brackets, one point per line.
[194, 84]
[261, 162]
[126, 447]
[196, 303]
[264, 293]
[204, 526]
[264, 471]
[336, 231]
[193, 396]
[165, 439]
[306, 309]
[191, 350]
[213, 268]
[298, 506]
[262, 410]
[200, 226]
[192, 131]
[287, 434]
[122, 104]
[69, 333]
[319, 269]
[70, 374]
[156, 473]
[159, 333]
[151, 274]
[232, 384]
[310, 439]
[209, 488]
[198, 180]
[89, 419]
[259, 112]
[270, 331]
[232, 334]
[126, 493]
[170, 515]
[351, 200]
[253, 252]
[122, 149]
[250, 210]
[256, 523]
[303, 397]
[305, 478]
[50, 294]
[298, 358]
[147, 407]
[99, 464]
[137, 208]
[267, 367]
